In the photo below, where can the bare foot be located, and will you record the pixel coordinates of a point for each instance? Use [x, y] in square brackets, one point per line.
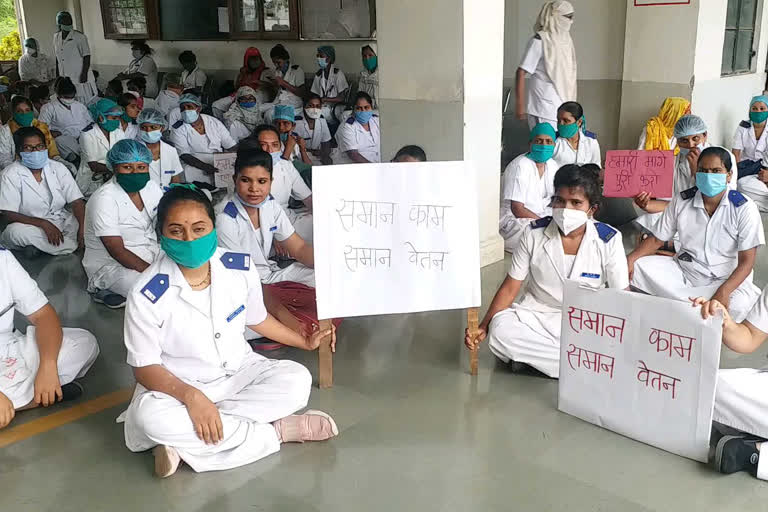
[167, 461]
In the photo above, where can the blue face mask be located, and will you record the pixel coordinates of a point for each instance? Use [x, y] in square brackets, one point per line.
[322, 62]
[540, 153]
[711, 184]
[192, 253]
[242, 201]
[276, 157]
[151, 137]
[34, 159]
[283, 137]
[247, 104]
[363, 116]
[190, 116]
[685, 151]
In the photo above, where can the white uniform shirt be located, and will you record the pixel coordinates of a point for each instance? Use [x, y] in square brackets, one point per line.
[352, 136]
[110, 212]
[287, 183]
[7, 147]
[21, 193]
[588, 151]
[174, 116]
[131, 131]
[745, 141]
[94, 146]
[167, 166]
[758, 316]
[521, 183]
[167, 101]
[189, 142]
[708, 247]
[369, 83]
[295, 77]
[40, 68]
[194, 79]
[163, 325]
[18, 292]
[540, 258]
[314, 138]
[543, 99]
[331, 87]
[69, 55]
[70, 120]
[236, 231]
[146, 66]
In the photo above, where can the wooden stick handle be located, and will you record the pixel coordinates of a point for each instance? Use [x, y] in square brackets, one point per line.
[325, 358]
[472, 321]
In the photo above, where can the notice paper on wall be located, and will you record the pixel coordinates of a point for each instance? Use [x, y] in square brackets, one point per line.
[225, 164]
[642, 366]
[629, 172]
[395, 238]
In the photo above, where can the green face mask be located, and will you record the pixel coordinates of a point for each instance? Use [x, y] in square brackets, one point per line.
[192, 253]
[110, 124]
[758, 117]
[132, 182]
[24, 119]
[567, 131]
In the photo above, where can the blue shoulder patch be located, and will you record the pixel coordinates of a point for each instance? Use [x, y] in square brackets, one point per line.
[375, 115]
[335, 70]
[295, 66]
[745, 124]
[89, 127]
[231, 210]
[737, 198]
[687, 194]
[178, 123]
[236, 260]
[156, 287]
[604, 231]
[2, 248]
[319, 72]
[351, 120]
[541, 223]
[591, 135]
[298, 118]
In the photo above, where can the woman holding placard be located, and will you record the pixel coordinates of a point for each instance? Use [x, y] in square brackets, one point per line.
[574, 144]
[567, 245]
[527, 186]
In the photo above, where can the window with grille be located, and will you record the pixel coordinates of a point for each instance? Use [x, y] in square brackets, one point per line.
[738, 48]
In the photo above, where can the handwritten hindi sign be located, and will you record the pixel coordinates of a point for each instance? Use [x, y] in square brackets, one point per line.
[629, 172]
[225, 163]
[642, 366]
[395, 238]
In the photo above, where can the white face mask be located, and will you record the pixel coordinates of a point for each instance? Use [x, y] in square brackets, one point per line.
[313, 113]
[569, 220]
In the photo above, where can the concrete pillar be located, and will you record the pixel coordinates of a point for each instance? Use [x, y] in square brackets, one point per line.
[441, 78]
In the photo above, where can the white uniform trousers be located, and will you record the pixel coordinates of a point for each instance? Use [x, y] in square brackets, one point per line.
[18, 236]
[526, 336]
[115, 278]
[260, 393]
[302, 222]
[295, 272]
[79, 350]
[534, 120]
[662, 276]
[741, 403]
[756, 190]
[511, 229]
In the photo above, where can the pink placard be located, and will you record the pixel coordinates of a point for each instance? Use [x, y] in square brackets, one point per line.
[629, 172]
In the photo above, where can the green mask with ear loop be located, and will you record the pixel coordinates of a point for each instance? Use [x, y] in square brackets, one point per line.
[132, 182]
[191, 253]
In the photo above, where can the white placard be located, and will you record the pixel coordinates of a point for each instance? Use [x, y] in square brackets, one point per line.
[395, 238]
[642, 366]
[225, 163]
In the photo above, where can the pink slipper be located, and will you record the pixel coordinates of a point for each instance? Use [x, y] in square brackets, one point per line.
[310, 426]
[167, 460]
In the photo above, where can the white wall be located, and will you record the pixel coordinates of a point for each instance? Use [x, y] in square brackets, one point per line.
[39, 19]
[723, 102]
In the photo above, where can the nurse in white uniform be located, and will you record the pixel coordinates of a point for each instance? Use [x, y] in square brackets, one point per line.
[550, 60]
[527, 186]
[574, 144]
[142, 65]
[73, 57]
[329, 82]
[165, 167]
[369, 76]
[286, 181]
[95, 141]
[66, 118]
[34, 194]
[192, 77]
[289, 79]
[359, 137]
[249, 219]
[751, 139]
[39, 367]
[202, 395]
[120, 239]
[294, 146]
[568, 245]
[313, 128]
[197, 137]
[719, 232]
[131, 108]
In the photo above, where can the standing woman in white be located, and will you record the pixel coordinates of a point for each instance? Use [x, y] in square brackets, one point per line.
[39, 367]
[73, 58]
[550, 59]
[34, 194]
[567, 245]
[120, 240]
[202, 395]
[574, 144]
[527, 186]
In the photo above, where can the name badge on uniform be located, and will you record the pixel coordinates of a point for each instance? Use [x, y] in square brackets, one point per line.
[170, 172]
[235, 313]
[590, 276]
[685, 257]
[273, 228]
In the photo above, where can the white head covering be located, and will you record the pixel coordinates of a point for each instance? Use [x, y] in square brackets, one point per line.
[559, 54]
